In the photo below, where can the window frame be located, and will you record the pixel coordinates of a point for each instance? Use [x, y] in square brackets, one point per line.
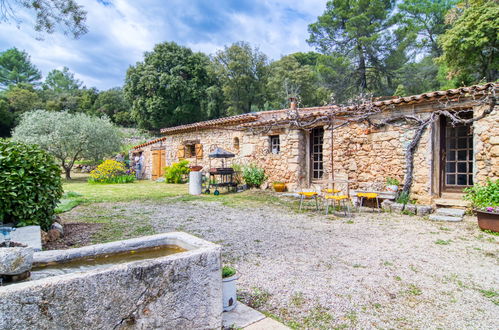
[275, 141]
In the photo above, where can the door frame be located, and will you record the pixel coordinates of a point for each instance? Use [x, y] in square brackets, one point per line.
[443, 188]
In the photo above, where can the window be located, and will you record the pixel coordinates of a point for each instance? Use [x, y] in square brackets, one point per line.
[275, 146]
[236, 143]
[190, 151]
[316, 142]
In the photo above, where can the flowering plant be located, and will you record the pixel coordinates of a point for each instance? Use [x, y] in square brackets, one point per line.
[484, 197]
[492, 209]
[111, 171]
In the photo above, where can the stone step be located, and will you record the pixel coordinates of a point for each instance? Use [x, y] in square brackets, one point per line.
[450, 212]
[451, 202]
[436, 217]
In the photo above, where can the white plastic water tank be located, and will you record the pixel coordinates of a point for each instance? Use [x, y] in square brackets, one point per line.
[195, 179]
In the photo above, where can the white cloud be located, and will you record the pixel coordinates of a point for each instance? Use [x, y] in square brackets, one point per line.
[120, 33]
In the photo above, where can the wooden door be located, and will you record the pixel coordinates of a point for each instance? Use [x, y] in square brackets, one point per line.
[158, 164]
[155, 164]
[457, 156]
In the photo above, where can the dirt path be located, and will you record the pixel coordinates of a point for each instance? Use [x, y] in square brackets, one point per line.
[372, 271]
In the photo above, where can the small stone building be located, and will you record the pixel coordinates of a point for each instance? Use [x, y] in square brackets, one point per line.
[296, 147]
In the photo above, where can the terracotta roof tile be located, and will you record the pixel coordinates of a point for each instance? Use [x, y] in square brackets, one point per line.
[280, 115]
[210, 123]
[149, 142]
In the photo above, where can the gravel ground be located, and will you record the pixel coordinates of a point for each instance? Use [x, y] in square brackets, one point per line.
[370, 271]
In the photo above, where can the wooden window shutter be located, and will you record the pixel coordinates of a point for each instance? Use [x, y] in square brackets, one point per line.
[162, 162]
[155, 165]
[181, 152]
[199, 151]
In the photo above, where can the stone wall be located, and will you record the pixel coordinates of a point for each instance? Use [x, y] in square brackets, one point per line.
[364, 155]
[254, 148]
[367, 156]
[486, 145]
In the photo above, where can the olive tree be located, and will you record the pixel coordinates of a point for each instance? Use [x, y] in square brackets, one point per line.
[69, 137]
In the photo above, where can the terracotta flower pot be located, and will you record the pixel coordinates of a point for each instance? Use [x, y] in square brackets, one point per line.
[279, 186]
[196, 168]
[488, 220]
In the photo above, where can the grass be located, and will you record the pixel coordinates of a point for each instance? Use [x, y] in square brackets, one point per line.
[442, 242]
[147, 190]
[138, 190]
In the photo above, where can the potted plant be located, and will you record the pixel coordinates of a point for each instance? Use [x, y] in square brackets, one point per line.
[485, 202]
[229, 277]
[195, 168]
[392, 184]
[279, 186]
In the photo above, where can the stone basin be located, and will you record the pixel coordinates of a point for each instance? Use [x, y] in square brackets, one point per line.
[15, 260]
[177, 291]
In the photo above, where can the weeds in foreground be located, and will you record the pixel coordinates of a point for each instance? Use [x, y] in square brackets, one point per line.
[257, 298]
[442, 242]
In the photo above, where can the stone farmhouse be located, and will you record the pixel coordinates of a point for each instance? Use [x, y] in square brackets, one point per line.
[447, 159]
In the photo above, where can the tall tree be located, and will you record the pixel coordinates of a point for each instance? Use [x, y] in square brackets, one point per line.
[243, 72]
[425, 20]
[16, 68]
[69, 137]
[62, 81]
[288, 78]
[336, 74]
[360, 30]
[470, 46]
[49, 15]
[113, 104]
[169, 87]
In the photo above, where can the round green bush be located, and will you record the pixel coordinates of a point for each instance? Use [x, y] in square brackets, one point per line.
[253, 175]
[30, 185]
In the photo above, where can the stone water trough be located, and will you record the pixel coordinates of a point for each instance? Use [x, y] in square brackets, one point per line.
[176, 291]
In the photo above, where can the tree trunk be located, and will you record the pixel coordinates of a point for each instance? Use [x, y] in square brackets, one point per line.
[67, 170]
[409, 156]
[362, 71]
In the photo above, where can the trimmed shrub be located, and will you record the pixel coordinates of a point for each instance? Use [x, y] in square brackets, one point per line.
[111, 171]
[176, 172]
[253, 175]
[30, 185]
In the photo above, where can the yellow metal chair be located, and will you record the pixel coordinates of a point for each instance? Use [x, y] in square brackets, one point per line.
[368, 196]
[309, 195]
[340, 199]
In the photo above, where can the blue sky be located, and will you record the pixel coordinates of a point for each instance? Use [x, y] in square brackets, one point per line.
[120, 31]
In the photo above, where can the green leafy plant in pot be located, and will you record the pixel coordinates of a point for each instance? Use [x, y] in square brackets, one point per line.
[229, 278]
[392, 184]
[485, 202]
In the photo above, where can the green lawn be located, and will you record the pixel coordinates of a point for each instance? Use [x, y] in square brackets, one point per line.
[139, 190]
[79, 191]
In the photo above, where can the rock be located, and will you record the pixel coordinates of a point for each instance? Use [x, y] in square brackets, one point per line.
[44, 236]
[53, 235]
[397, 207]
[423, 210]
[57, 226]
[15, 260]
[386, 204]
[410, 208]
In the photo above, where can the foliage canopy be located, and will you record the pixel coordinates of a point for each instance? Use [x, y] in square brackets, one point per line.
[69, 137]
[30, 185]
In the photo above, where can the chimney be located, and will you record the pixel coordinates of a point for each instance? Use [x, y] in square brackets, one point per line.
[292, 104]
